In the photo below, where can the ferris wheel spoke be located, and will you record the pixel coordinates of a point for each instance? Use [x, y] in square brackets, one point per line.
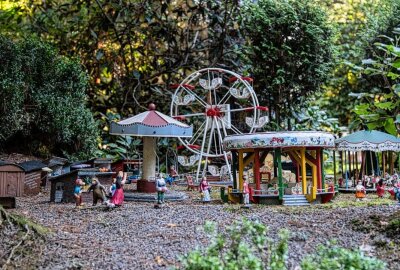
[238, 110]
[219, 136]
[197, 134]
[190, 115]
[196, 97]
[211, 137]
[215, 144]
[225, 98]
[233, 127]
[224, 128]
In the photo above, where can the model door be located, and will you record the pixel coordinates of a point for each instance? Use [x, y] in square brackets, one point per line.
[12, 184]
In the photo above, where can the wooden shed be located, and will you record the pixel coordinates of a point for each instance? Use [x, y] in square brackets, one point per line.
[33, 176]
[11, 180]
[11, 183]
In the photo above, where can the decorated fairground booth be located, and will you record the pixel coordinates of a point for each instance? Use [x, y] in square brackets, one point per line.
[368, 156]
[304, 149]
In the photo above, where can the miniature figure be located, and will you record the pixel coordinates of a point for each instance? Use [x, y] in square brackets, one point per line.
[161, 188]
[205, 190]
[78, 192]
[246, 192]
[99, 191]
[360, 191]
[118, 198]
[380, 189]
[172, 175]
[113, 187]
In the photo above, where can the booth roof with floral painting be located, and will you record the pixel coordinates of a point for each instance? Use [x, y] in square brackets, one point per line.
[279, 139]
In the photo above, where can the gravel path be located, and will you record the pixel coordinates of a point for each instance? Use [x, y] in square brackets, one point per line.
[137, 236]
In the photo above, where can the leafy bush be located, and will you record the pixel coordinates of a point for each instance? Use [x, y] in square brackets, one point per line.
[44, 101]
[244, 245]
[332, 257]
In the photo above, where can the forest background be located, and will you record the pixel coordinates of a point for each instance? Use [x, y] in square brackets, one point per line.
[69, 67]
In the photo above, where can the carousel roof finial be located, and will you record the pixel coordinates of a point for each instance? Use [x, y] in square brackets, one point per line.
[152, 107]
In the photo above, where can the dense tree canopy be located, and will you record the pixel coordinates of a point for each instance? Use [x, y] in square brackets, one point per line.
[134, 49]
[290, 51]
[43, 101]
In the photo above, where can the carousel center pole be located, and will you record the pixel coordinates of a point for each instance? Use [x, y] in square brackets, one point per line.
[149, 160]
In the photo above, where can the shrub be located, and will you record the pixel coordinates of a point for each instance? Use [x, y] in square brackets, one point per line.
[332, 257]
[243, 245]
[44, 100]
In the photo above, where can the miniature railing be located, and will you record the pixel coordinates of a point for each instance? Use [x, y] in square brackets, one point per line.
[261, 192]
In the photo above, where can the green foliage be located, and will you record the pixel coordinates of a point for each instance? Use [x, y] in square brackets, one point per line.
[332, 257]
[133, 50]
[44, 94]
[313, 118]
[289, 51]
[244, 245]
[359, 22]
[380, 107]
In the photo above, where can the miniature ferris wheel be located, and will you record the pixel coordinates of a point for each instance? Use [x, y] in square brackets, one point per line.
[217, 103]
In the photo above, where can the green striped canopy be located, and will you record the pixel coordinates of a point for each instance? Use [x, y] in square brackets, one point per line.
[365, 140]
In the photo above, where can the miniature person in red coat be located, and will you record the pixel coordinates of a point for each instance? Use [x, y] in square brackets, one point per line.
[246, 192]
[380, 189]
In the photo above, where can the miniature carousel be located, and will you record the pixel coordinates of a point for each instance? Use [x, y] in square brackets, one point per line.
[368, 156]
[151, 125]
[303, 149]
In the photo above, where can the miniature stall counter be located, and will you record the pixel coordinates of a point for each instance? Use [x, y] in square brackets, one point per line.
[360, 191]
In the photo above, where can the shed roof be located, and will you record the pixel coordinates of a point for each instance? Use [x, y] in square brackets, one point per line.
[32, 165]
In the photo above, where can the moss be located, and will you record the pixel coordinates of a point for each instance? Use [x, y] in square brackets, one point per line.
[21, 222]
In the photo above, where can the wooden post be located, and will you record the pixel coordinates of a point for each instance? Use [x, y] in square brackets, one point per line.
[334, 168]
[356, 165]
[280, 180]
[320, 184]
[234, 168]
[303, 170]
[349, 161]
[391, 163]
[384, 163]
[256, 169]
[241, 169]
[322, 168]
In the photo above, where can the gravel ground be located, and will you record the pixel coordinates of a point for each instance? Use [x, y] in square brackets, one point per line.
[137, 236]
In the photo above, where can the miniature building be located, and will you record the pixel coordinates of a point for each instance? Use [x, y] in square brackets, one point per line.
[11, 183]
[34, 176]
[58, 165]
[102, 163]
[127, 165]
[62, 186]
